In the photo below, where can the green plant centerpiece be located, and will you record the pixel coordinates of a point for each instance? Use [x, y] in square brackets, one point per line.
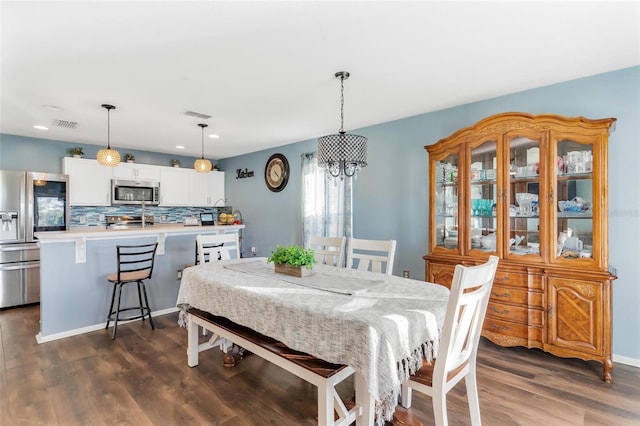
[293, 260]
[129, 158]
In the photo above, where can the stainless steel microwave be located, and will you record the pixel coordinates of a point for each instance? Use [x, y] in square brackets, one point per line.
[135, 192]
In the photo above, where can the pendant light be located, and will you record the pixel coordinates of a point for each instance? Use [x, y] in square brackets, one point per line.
[108, 157]
[202, 165]
[342, 154]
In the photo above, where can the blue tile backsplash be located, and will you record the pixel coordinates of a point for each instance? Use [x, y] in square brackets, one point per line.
[90, 216]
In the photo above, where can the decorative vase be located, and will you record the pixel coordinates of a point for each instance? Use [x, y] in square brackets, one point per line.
[294, 271]
[176, 165]
[77, 156]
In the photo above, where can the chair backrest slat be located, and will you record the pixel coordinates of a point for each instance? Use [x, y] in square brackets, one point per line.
[134, 258]
[371, 255]
[218, 247]
[327, 250]
[466, 309]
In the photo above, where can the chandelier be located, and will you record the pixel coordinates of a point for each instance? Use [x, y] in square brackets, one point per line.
[202, 165]
[108, 157]
[342, 154]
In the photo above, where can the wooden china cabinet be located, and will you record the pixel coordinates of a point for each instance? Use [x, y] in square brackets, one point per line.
[531, 189]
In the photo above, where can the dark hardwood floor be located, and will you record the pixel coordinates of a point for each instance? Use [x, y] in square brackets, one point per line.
[142, 378]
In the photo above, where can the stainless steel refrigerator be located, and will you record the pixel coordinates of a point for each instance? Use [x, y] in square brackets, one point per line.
[29, 202]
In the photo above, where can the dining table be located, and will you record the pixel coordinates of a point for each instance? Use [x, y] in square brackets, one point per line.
[383, 326]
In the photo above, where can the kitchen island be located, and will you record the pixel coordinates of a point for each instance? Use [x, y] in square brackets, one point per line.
[74, 264]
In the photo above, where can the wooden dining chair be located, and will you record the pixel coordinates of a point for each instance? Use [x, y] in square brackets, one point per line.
[371, 255]
[217, 247]
[328, 250]
[456, 358]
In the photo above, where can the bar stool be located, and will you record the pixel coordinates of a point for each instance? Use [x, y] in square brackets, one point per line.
[135, 264]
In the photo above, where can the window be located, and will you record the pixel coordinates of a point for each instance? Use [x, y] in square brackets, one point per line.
[326, 204]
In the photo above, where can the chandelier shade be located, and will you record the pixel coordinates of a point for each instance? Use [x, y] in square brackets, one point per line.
[202, 165]
[342, 154]
[107, 156]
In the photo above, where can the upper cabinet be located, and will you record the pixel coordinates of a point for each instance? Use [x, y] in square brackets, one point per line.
[174, 186]
[89, 182]
[207, 189]
[136, 171]
[531, 189]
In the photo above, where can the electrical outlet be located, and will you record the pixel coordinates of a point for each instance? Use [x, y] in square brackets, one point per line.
[82, 219]
[101, 218]
[163, 218]
[405, 274]
[253, 251]
[179, 274]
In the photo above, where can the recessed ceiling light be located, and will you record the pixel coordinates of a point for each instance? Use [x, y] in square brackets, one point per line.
[212, 136]
[179, 147]
[39, 127]
[53, 107]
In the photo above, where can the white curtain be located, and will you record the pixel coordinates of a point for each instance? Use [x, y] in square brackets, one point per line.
[326, 204]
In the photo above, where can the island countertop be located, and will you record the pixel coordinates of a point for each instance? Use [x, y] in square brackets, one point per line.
[80, 235]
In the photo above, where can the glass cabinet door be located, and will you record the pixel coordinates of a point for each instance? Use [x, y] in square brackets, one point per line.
[446, 202]
[483, 194]
[525, 184]
[575, 211]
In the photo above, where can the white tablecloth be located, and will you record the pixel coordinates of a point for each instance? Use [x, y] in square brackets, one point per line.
[383, 326]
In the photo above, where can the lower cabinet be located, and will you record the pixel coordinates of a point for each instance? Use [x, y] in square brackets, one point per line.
[564, 312]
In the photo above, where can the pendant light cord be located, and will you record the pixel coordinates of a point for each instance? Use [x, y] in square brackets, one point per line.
[342, 104]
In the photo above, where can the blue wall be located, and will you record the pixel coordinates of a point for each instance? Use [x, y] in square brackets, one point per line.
[390, 194]
[390, 199]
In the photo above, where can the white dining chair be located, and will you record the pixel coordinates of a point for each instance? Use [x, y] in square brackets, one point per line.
[371, 255]
[327, 250]
[217, 247]
[456, 358]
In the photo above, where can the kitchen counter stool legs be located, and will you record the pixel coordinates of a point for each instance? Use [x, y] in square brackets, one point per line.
[135, 264]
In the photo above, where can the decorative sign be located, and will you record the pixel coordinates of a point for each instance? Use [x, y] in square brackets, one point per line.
[241, 174]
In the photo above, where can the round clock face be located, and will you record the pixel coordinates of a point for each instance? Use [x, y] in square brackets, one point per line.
[276, 172]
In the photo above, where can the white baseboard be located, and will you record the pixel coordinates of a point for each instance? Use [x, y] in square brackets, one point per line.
[43, 339]
[626, 360]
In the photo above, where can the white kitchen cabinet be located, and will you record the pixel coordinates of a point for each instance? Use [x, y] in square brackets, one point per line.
[207, 189]
[89, 182]
[174, 186]
[136, 171]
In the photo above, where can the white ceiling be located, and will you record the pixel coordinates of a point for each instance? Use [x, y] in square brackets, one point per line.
[265, 70]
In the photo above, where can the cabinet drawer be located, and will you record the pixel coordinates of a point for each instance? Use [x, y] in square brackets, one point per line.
[518, 280]
[516, 296]
[519, 314]
[506, 333]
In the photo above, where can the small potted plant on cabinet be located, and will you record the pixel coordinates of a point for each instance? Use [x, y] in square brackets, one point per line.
[293, 260]
[175, 163]
[76, 152]
[129, 158]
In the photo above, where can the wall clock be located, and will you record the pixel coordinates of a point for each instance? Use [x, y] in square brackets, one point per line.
[276, 172]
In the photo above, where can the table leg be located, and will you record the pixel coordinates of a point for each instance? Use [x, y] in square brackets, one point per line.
[364, 400]
[192, 342]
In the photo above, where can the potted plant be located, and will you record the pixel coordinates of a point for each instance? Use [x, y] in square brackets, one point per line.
[175, 163]
[293, 260]
[129, 158]
[76, 152]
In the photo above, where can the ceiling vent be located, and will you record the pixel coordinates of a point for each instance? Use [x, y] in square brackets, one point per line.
[66, 124]
[197, 114]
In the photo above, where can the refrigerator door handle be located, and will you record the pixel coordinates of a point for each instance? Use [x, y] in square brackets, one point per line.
[18, 247]
[16, 266]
